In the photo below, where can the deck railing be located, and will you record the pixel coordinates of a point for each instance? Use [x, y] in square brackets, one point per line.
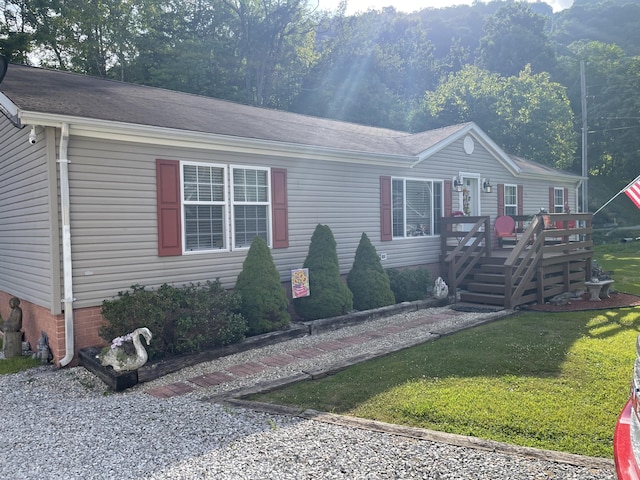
[552, 255]
[464, 240]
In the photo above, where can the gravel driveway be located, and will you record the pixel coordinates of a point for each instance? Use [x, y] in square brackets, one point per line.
[63, 424]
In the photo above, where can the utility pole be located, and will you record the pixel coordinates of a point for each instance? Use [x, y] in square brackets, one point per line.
[585, 164]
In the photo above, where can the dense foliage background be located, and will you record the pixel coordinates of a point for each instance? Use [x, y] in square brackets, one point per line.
[511, 67]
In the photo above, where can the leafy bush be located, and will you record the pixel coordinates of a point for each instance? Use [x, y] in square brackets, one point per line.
[263, 299]
[182, 320]
[329, 295]
[367, 280]
[409, 285]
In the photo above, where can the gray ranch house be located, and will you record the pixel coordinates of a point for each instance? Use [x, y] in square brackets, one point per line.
[105, 184]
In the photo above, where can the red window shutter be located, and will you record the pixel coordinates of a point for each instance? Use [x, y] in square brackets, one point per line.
[552, 199]
[520, 193]
[520, 199]
[500, 199]
[448, 198]
[169, 208]
[566, 196]
[279, 208]
[386, 232]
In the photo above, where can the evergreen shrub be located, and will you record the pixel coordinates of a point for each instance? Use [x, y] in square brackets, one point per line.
[329, 296]
[263, 299]
[181, 320]
[367, 280]
[409, 285]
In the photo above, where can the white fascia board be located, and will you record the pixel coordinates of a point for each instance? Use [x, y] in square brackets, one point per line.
[146, 134]
[475, 131]
[9, 109]
[559, 176]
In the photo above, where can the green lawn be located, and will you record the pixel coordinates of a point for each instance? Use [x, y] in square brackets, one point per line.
[13, 365]
[549, 380]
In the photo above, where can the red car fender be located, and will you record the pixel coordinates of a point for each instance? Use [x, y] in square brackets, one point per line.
[625, 460]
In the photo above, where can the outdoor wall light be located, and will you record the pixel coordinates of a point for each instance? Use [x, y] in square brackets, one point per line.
[486, 185]
[457, 184]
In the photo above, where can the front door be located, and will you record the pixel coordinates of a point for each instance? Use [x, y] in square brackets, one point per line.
[469, 198]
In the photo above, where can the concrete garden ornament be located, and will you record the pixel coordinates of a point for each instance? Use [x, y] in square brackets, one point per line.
[126, 353]
[440, 290]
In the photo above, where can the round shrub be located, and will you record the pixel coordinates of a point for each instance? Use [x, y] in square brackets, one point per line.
[409, 285]
[263, 299]
[367, 280]
[329, 296]
[182, 320]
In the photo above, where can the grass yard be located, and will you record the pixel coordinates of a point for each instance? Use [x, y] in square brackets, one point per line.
[624, 260]
[553, 381]
[14, 365]
[548, 380]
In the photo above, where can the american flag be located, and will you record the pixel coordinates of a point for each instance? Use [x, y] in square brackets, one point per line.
[633, 192]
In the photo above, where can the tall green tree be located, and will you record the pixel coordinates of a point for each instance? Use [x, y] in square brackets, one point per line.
[468, 95]
[371, 68]
[275, 43]
[529, 115]
[514, 37]
[612, 79]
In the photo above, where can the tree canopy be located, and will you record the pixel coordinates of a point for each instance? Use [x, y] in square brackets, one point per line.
[512, 67]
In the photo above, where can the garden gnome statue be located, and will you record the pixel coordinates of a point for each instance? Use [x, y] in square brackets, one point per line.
[12, 343]
[441, 290]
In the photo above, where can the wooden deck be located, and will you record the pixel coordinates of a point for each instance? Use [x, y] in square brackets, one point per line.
[551, 255]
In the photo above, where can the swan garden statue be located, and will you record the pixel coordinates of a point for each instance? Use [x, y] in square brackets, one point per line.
[119, 358]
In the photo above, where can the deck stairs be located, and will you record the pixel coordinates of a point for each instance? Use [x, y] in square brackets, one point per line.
[486, 284]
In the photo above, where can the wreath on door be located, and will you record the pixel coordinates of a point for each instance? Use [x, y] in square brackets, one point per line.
[466, 202]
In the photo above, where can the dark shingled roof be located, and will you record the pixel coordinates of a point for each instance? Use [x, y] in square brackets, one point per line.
[41, 90]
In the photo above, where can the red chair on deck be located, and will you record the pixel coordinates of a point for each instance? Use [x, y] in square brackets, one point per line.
[505, 227]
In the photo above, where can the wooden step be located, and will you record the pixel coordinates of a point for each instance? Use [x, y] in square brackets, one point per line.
[486, 298]
[488, 278]
[492, 268]
[480, 287]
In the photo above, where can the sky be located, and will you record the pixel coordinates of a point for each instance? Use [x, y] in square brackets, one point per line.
[409, 6]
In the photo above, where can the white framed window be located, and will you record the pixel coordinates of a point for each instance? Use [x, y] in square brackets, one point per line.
[251, 205]
[224, 208]
[511, 200]
[417, 207]
[204, 203]
[558, 200]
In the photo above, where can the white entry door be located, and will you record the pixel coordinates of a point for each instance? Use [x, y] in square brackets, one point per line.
[469, 198]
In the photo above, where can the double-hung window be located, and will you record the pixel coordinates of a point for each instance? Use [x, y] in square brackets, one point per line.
[205, 207]
[250, 205]
[511, 200]
[416, 207]
[558, 200]
[215, 197]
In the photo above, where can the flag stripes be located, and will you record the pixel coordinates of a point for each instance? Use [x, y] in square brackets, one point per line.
[633, 192]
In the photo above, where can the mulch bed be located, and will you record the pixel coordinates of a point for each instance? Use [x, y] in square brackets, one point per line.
[616, 300]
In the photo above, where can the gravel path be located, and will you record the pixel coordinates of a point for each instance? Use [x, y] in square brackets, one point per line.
[62, 424]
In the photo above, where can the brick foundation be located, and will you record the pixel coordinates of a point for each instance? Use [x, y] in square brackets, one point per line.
[36, 319]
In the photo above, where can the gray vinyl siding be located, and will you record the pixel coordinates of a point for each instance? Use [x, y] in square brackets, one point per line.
[114, 226]
[25, 228]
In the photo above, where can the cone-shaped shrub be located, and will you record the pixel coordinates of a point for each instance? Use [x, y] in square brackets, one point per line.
[329, 296]
[367, 280]
[263, 299]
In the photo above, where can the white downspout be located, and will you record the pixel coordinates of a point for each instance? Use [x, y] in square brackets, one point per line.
[66, 246]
